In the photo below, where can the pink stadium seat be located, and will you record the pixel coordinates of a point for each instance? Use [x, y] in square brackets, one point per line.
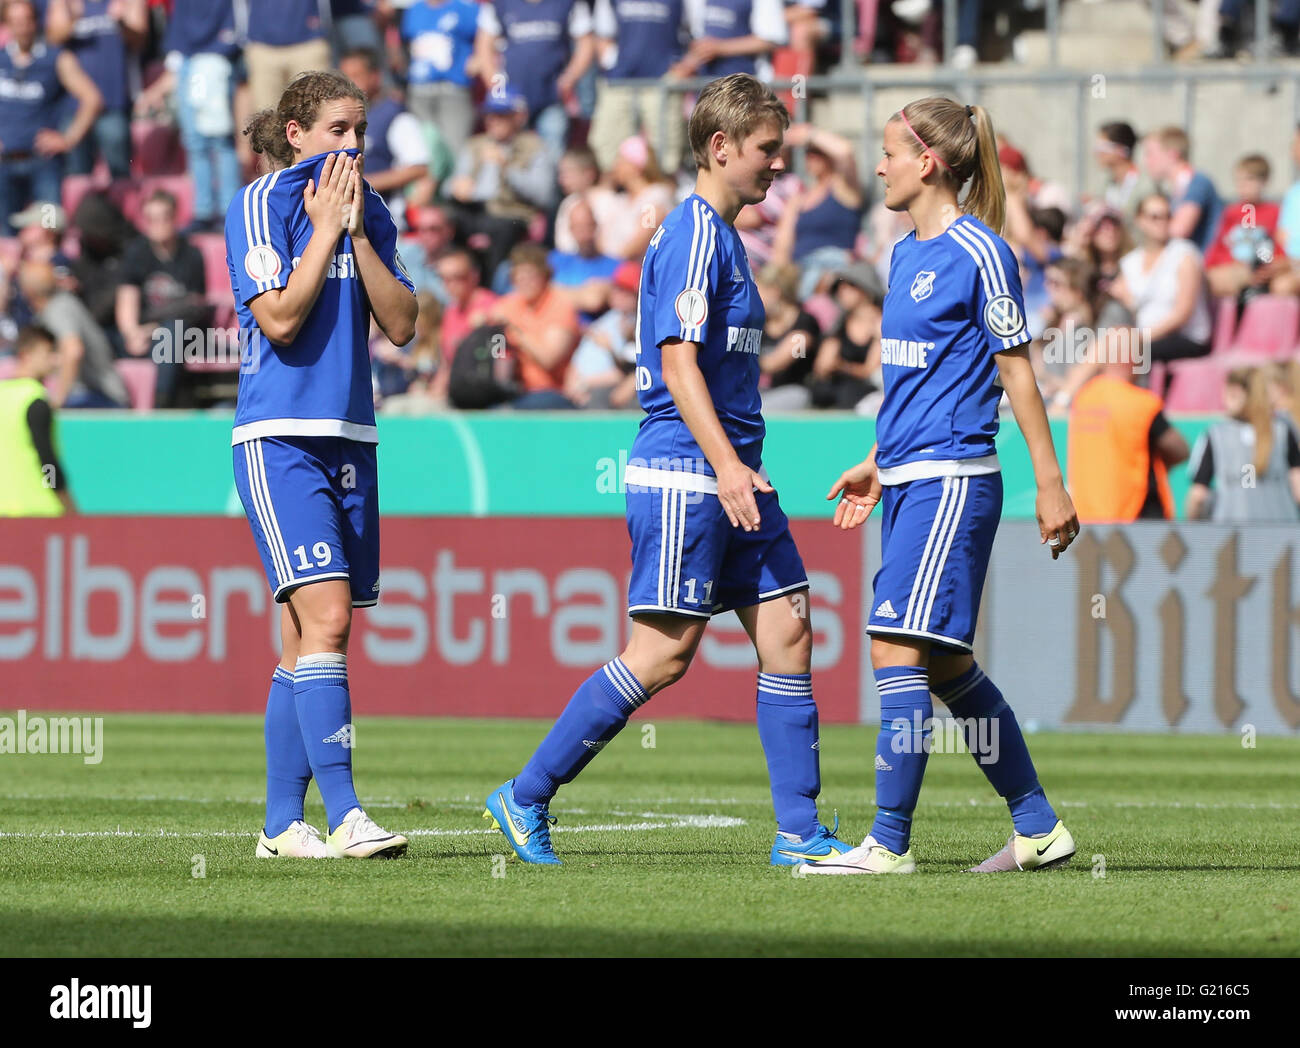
[1268, 326]
[1197, 385]
[8, 365]
[156, 149]
[141, 378]
[1223, 313]
[823, 309]
[74, 188]
[10, 252]
[213, 248]
[131, 195]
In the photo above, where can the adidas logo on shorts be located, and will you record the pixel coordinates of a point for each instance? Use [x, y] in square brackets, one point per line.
[886, 610]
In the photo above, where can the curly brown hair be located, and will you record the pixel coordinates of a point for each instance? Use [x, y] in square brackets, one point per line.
[300, 102]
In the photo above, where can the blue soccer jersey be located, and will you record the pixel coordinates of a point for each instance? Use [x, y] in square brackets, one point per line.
[319, 385]
[696, 286]
[953, 302]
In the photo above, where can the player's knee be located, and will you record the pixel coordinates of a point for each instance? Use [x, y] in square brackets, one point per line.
[886, 654]
[329, 627]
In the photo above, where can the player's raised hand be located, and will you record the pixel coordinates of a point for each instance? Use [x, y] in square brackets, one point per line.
[356, 224]
[736, 484]
[1058, 524]
[858, 490]
[327, 204]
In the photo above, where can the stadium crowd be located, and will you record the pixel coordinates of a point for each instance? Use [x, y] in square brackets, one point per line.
[517, 153]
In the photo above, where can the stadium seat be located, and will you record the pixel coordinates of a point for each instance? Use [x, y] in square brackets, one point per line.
[141, 378]
[11, 250]
[74, 188]
[1197, 385]
[213, 248]
[1268, 327]
[8, 365]
[156, 149]
[131, 195]
[1223, 314]
[822, 308]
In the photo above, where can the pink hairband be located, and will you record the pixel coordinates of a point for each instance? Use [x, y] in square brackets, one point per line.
[922, 141]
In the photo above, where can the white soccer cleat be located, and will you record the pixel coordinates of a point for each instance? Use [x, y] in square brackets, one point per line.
[358, 836]
[1023, 854]
[868, 857]
[299, 841]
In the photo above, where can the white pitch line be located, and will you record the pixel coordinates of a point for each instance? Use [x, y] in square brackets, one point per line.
[672, 822]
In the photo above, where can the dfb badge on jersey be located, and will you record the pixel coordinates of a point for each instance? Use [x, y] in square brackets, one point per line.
[922, 285]
[261, 263]
[692, 307]
[1003, 317]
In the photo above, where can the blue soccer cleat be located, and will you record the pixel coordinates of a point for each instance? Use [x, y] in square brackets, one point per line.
[789, 850]
[528, 829]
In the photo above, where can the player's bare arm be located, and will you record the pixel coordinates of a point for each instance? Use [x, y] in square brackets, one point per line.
[281, 312]
[393, 306]
[736, 481]
[858, 490]
[1057, 522]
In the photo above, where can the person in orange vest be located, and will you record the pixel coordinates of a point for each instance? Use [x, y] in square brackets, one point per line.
[1120, 448]
[32, 481]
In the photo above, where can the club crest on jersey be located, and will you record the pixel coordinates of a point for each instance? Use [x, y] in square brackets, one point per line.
[1003, 317]
[262, 263]
[922, 285]
[692, 307]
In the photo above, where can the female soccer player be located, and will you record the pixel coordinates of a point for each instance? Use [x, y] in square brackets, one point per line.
[312, 255]
[702, 541]
[953, 337]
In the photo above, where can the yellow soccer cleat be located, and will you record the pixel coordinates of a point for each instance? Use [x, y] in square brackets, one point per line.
[1023, 854]
[358, 836]
[868, 857]
[299, 841]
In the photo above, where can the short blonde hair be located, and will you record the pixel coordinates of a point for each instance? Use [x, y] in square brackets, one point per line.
[736, 105]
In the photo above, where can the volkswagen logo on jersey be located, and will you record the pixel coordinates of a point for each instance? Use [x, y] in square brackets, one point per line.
[261, 263]
[692, 307]
[1003, 317]
[922, 285]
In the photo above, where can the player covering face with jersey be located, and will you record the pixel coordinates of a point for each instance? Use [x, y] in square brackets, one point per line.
[953, 337]
[312, 255]
[708, 534]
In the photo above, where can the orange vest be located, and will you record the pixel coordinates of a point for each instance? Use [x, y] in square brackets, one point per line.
[1109, 459]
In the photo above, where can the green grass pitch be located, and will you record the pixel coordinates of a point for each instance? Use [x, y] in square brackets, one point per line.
[665, 850]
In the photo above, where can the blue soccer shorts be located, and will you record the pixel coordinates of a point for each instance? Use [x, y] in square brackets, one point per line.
[313, 504]
[936, 536]
[687, 559]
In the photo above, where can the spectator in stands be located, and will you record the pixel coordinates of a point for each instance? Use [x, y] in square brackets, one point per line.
[86, 376]
[285, 38]
[634, 201]
[808, 25]
[504, 179]
[1283, 381]
[103, 233]
[1196, 203]
[847, 368]
[543, 47]
[40, 235]
[732, 36]
[432, 230]
[584, 276]
[1035, 234]
[541, 329]
[1233, 13]
[602, 373]
[423, 370]
[1289, 219]
[396, 153]
[439, 35]
[1067, 312]
[32, 480]
[1162, 285]
[356, 24]
[34, 78]
[468, 305]
[638, 41]
[1244, 259]
[1102, 239]
[791, 336]
[200, 45]
[106, 36]
[1120, 449]
[819, 229]
[163, 284]
[1018, 180]
[578, 174]
[1245, 469]
[1126, 183]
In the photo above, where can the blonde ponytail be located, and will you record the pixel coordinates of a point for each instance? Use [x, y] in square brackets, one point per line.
[962, 139]
[987, 197]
